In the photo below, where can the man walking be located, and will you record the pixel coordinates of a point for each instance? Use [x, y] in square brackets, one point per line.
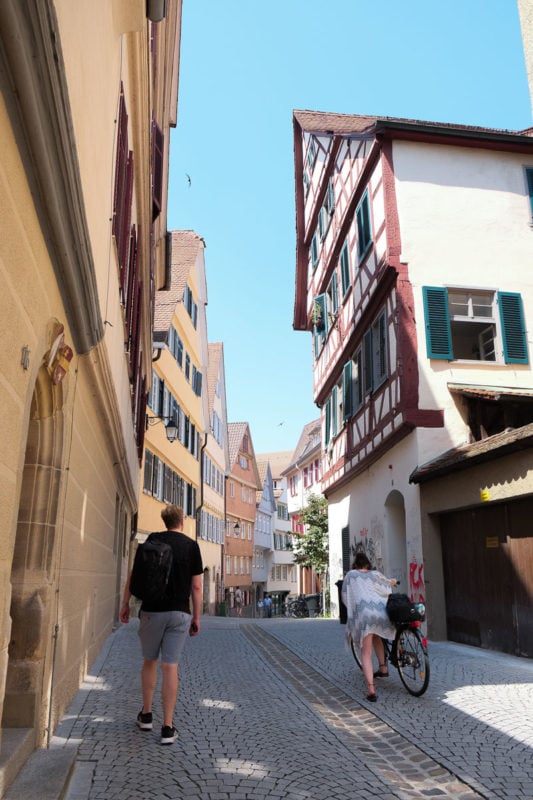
[166, 622]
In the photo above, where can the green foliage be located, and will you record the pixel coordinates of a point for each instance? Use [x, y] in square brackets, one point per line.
[311, 549]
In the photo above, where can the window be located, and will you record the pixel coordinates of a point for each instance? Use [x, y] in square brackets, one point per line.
[187, 366]
[228, 565]
[231, 489]
[473, 324]
[293, 485]
[319, 318]
[332, 297]
[311, 153]
[364, 231]
[307, 183]
[345, 269]
[529, 179]
[243, 461]
[326, 211]
[314, 251]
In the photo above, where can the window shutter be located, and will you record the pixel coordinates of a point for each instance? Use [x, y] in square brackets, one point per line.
[334, 412]
[513, 328]
[157, 169]
[147, 483]
[529, 175]
[367, 371]
[334, 294]
[364, 234]
[327, 425]
[347, 392]
[345, 268]
[438, 333]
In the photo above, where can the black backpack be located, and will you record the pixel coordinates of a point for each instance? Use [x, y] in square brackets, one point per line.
[151, 570]
[400, 609]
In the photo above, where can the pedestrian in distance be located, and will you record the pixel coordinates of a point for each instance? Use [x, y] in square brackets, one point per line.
[166, 620]
[365, 593]
[238, 601]
[260, 608]
[267, 602]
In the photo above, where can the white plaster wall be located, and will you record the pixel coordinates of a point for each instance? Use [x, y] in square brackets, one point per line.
[465, 221]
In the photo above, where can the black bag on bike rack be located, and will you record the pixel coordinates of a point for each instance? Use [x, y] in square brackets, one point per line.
[400, 608]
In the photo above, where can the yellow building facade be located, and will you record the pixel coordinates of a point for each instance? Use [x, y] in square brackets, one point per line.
[84, 124]
[172, 470]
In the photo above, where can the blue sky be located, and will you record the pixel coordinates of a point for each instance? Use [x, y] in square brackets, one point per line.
[245, 66]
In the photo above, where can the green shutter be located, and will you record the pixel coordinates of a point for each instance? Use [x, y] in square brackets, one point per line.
[513, 328]
[368, 361]
[345, 269]
[438, 333]
[327, 426]
[334, 412]
[347, 391]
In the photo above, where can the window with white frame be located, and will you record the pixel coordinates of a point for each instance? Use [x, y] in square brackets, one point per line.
[228, 565]
[475, 325]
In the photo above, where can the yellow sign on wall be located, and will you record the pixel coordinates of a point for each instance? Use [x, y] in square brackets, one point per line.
[492, 541]
[485, 495]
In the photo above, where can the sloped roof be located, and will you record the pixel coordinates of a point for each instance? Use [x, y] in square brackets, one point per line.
[183, 250]
[468, 455]
[309, 442]
[345, 124]
[278, 461]
[236, 431]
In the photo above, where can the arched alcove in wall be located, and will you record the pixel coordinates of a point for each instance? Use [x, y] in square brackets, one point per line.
[395, 538]
[32, 570]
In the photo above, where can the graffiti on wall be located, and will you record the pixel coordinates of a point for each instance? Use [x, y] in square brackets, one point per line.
[416, 582]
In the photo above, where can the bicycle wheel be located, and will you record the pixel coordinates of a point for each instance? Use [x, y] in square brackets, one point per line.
[412, 661]
[356, 652]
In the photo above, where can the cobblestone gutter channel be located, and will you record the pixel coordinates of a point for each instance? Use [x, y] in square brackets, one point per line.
[375, 746]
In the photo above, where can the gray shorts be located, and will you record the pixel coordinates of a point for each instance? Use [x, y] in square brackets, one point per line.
[165, 633]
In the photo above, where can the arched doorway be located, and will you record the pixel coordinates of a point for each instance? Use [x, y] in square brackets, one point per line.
[395, 540]
[32, 571]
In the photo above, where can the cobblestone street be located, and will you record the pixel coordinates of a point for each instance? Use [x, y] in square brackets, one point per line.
[276, 709]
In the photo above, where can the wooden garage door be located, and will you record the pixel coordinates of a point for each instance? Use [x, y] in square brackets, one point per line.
[487, 558]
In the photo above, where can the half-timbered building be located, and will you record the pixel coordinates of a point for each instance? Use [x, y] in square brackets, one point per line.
[412, 275]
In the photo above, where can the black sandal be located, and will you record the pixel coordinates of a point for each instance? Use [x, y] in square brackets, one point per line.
[371, 696]
[379, 674]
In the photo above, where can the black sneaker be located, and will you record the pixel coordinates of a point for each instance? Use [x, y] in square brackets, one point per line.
[144, 721]
[168, 734]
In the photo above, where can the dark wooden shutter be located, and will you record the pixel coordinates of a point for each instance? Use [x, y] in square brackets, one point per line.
[438, 333]
[513, 328]
[347, 391]
[368, 362]
[346, 560]
[157, 169]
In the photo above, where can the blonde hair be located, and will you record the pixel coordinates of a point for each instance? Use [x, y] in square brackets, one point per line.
[172, 516]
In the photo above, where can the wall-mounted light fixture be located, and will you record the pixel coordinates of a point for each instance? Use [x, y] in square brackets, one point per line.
[236, 529]
[171, 426]
[156, 10]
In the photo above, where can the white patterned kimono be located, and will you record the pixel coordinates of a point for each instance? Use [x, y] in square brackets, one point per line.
[365, 596]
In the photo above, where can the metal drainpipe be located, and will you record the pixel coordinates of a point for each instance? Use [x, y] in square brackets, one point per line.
[199, 509]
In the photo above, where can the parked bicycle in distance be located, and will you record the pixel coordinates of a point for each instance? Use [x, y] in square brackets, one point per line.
[296, 608]
[408, 653]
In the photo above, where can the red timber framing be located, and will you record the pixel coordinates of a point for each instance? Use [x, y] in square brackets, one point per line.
[355, 162]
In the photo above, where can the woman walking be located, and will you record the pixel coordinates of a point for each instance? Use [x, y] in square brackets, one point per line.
[365, 593]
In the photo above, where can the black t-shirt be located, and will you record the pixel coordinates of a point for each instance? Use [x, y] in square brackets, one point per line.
[186, 563]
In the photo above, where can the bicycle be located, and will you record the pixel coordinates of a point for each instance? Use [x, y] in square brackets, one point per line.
[296, 608]
[408, 653]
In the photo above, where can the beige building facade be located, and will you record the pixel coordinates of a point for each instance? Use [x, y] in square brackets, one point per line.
[84, 120]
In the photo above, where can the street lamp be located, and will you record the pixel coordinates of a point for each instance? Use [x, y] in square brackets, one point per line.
[236, 529]
[171, 426]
